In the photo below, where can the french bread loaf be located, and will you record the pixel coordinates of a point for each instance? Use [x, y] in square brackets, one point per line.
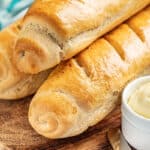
[13, 83]
[82, 91]
[56, 30]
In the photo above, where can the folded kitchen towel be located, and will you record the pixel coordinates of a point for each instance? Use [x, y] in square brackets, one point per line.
[11, 10]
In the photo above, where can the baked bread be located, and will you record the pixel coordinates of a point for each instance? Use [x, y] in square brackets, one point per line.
[82, 91]
[13, 83]
[55, 30]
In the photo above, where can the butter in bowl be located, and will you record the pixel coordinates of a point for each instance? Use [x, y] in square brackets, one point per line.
[136, 113]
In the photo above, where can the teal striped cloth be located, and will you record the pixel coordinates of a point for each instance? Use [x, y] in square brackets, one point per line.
[11, 10]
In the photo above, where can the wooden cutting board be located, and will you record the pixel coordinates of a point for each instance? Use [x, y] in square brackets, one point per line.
[16, 133]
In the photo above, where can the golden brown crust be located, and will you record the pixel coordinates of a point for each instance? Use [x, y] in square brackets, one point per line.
[64, 28]
[86, 88]
[71, 17]
[140, 24]
[13, 83]
[29, 46]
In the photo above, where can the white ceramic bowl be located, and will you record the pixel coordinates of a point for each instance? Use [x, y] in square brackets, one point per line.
[135, 128]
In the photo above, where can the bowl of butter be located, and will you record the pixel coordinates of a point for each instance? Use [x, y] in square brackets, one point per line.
[135, 110]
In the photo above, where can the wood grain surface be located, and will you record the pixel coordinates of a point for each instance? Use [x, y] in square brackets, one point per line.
[17, 134]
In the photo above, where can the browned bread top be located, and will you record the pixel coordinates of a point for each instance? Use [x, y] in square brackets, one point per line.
[13, 83]
[56, 30]
[72, 17]
[83, 90]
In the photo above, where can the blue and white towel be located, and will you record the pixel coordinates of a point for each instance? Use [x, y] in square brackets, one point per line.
[11, 10]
